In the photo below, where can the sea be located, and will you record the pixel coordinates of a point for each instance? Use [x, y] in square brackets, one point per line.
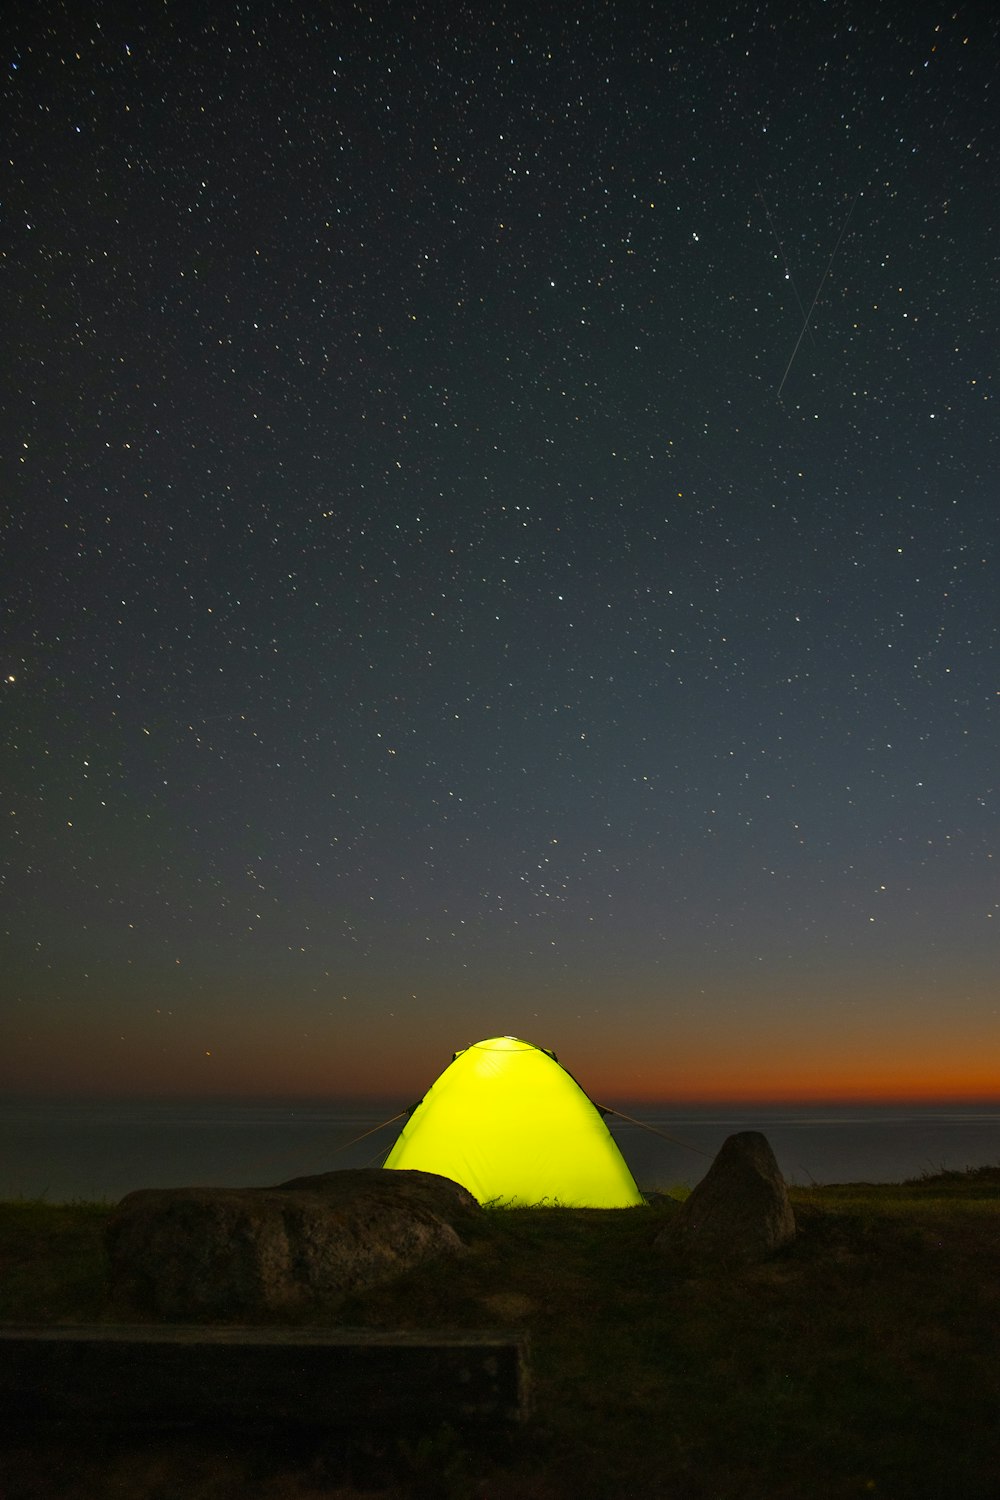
[74, 1151]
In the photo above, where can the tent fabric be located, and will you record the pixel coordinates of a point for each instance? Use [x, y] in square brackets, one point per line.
[510, 1124]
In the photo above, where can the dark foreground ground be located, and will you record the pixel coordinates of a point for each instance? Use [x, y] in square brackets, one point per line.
[862, 1361]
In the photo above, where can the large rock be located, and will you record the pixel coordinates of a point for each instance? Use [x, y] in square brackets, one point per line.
[239, 1252]
[740, 1209]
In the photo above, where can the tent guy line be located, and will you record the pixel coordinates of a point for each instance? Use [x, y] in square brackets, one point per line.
[644, 1125]
[366, 1133]
[604, 1109]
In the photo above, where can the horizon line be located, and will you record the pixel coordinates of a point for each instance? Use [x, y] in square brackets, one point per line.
[370, 1100]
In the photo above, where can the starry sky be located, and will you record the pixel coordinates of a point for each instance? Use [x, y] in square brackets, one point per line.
[500, 535]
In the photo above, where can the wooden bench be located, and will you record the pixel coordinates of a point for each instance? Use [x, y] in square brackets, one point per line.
[323, 1377]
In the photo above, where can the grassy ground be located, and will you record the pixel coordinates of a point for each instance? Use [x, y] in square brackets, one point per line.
[862, 1361]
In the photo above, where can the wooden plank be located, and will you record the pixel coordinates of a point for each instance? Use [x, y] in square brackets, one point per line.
[327, 1377]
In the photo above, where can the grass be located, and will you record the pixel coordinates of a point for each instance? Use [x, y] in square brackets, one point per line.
[861, 1361]
[52, 1263]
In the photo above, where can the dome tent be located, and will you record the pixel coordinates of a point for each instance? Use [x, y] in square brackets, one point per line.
[512, 1126]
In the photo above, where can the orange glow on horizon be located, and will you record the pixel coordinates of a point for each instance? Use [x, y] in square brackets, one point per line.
[870, 1085]
[808, 1064]
[399, 1093]
[850, 1092]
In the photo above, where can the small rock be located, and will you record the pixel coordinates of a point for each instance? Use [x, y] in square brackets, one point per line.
[240, 1252]
[740, 1209]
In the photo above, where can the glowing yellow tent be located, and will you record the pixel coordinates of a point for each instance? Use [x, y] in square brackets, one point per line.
[512, 1126]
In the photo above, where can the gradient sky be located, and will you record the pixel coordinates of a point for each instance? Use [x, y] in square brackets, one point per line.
[500, 535]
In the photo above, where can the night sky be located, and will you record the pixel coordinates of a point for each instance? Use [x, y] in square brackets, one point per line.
[501, 534]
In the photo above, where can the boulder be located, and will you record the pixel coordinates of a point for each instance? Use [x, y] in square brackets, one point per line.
[740, 1209]
[242, 1252]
